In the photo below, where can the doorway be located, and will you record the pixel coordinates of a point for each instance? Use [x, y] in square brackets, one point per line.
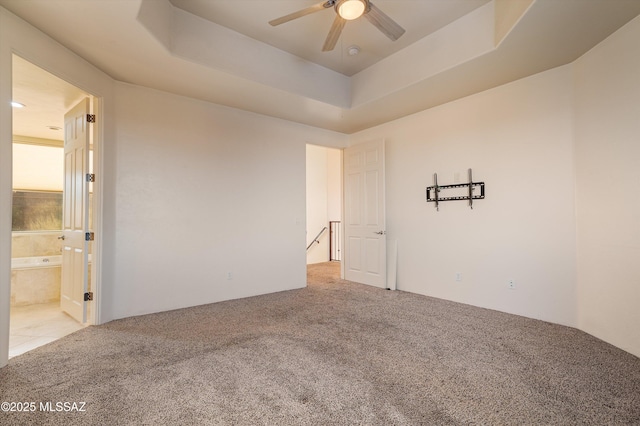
[324, 204]
[36, 317]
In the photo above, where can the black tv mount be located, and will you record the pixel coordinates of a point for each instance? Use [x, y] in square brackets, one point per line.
[433, 192]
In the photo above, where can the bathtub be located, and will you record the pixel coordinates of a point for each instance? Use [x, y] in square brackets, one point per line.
[35, 280]
[36, 262]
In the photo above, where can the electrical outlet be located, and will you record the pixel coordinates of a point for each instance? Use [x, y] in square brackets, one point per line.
[511, 284]
[229, 275]
[458, 276]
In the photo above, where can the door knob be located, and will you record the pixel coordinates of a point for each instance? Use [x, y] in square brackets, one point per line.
[61, 237]
[380, 232]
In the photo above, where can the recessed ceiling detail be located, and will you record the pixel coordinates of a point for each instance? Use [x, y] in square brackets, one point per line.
[189, 37]
[217, 52]
[304, 37]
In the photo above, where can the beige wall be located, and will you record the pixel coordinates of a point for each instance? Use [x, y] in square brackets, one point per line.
[607, 122]
[317, 202]
[334, 184]
[204, 191]
[518, 139]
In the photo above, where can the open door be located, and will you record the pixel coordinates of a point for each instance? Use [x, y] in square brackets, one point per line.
[364, 214]
[75, 223]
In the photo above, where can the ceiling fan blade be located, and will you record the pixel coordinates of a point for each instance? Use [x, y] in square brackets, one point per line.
[388, 26]
[295, 15]
[334, 33]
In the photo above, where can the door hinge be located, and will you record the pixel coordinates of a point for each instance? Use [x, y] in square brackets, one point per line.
[91, 118]
[91, 177]
[89, 236]
[88, 296]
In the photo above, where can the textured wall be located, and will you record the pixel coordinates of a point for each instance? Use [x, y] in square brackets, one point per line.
[607, 121]
[517, 138]
[210, 202]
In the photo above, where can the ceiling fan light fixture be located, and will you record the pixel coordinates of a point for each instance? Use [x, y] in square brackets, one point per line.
[351, 9]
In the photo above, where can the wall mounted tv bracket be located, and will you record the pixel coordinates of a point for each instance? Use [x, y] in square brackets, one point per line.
[433, 192]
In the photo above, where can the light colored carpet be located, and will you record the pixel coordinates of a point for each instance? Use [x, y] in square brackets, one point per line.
[335, 353]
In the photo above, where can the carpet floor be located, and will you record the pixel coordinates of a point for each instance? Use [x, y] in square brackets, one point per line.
[334, 353]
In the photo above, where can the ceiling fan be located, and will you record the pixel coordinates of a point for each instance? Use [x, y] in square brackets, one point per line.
[347, 10]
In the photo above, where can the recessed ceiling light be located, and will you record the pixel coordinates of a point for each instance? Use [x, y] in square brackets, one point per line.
[17, 104]
[56, 128]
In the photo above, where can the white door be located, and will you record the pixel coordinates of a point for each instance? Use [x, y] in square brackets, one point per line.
[75, 212]
[364, 221]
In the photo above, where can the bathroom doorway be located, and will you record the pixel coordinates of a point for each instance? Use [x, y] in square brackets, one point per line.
[37, 266]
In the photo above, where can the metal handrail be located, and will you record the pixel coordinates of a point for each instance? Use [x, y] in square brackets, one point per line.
[315, 240]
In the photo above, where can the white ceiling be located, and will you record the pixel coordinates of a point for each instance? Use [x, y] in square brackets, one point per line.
[304, 37]
[224, 51]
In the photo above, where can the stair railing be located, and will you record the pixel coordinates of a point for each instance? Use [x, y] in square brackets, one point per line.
[315, 240]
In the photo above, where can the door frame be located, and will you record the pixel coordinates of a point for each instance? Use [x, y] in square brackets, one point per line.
[92, 77]
[27, 41]
[95, 142]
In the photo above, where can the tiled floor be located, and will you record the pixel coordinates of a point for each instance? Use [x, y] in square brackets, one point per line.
[37, 325]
